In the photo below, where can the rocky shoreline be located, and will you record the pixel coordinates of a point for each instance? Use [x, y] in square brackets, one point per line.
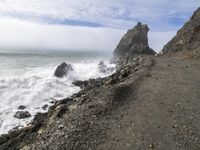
[127, 66]
[150, 102]
[78, 110]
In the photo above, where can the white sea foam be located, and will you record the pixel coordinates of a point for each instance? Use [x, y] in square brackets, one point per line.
[36, 87]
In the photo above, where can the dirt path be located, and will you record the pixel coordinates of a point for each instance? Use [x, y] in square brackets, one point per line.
[154, 107]
[164, 115]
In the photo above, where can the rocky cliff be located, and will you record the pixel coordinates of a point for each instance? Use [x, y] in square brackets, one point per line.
[135, 41]
[188, 37]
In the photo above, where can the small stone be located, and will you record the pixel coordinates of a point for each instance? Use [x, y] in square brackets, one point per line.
[52, 102]
[175, 126]
[60, 127]
[73, 107]
[45, 107]
[60, 110]
[151, 146]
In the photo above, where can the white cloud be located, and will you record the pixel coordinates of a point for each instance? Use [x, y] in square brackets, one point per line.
[23, 34]
[27, 35]
[164, 17]
[112, 13]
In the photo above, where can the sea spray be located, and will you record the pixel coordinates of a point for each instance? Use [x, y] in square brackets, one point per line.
[34, 85]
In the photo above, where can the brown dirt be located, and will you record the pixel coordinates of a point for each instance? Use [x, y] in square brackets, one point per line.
[155, 107]
[164, 113]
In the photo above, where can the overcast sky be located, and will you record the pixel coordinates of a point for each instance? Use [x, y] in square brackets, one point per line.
[88, 24]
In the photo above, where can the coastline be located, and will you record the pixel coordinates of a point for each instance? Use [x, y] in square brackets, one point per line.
[150, 102]
[78, 104]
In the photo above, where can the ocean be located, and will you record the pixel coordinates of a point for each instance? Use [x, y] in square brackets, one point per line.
[27, 78]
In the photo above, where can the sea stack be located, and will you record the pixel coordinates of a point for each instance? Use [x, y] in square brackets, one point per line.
[135, 41]
[187, 38]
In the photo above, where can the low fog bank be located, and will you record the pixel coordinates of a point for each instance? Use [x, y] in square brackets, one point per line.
[17, 34]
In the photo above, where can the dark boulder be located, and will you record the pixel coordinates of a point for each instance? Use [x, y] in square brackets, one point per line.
[22, 114]
[135, 41]
[45, 107]
[63, 70]
[187, 38]
[22, 107]
[104, 69]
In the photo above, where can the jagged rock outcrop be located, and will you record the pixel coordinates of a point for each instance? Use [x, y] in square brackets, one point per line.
[104, 69]
[22, 114]
[135, 41]
[63, 69]
[187, 38]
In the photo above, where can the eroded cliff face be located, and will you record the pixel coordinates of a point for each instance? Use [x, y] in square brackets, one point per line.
[187, 38]
[135, 41]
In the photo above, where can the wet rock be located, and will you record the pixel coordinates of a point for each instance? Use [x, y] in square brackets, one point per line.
[39, 118]
[87, 84]
[45, 107]
[80, 83]
[52, 102]
[135, 41]
[22, 107]
[104, 69]
[63, 70]
[22, 114]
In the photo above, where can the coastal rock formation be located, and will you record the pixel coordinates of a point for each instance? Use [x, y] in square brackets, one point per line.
[104, 69]
[79, 122]
[22, 107]
[63, 70]
[45, 107]
[148, 103]
[128, 66]
[88, 84]
[22, 114]
[135, 41]
[187, 38]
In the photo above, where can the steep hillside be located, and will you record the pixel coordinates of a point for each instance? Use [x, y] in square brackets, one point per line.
[187, 38]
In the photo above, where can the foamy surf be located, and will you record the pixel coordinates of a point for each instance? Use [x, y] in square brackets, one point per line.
[36, 87]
